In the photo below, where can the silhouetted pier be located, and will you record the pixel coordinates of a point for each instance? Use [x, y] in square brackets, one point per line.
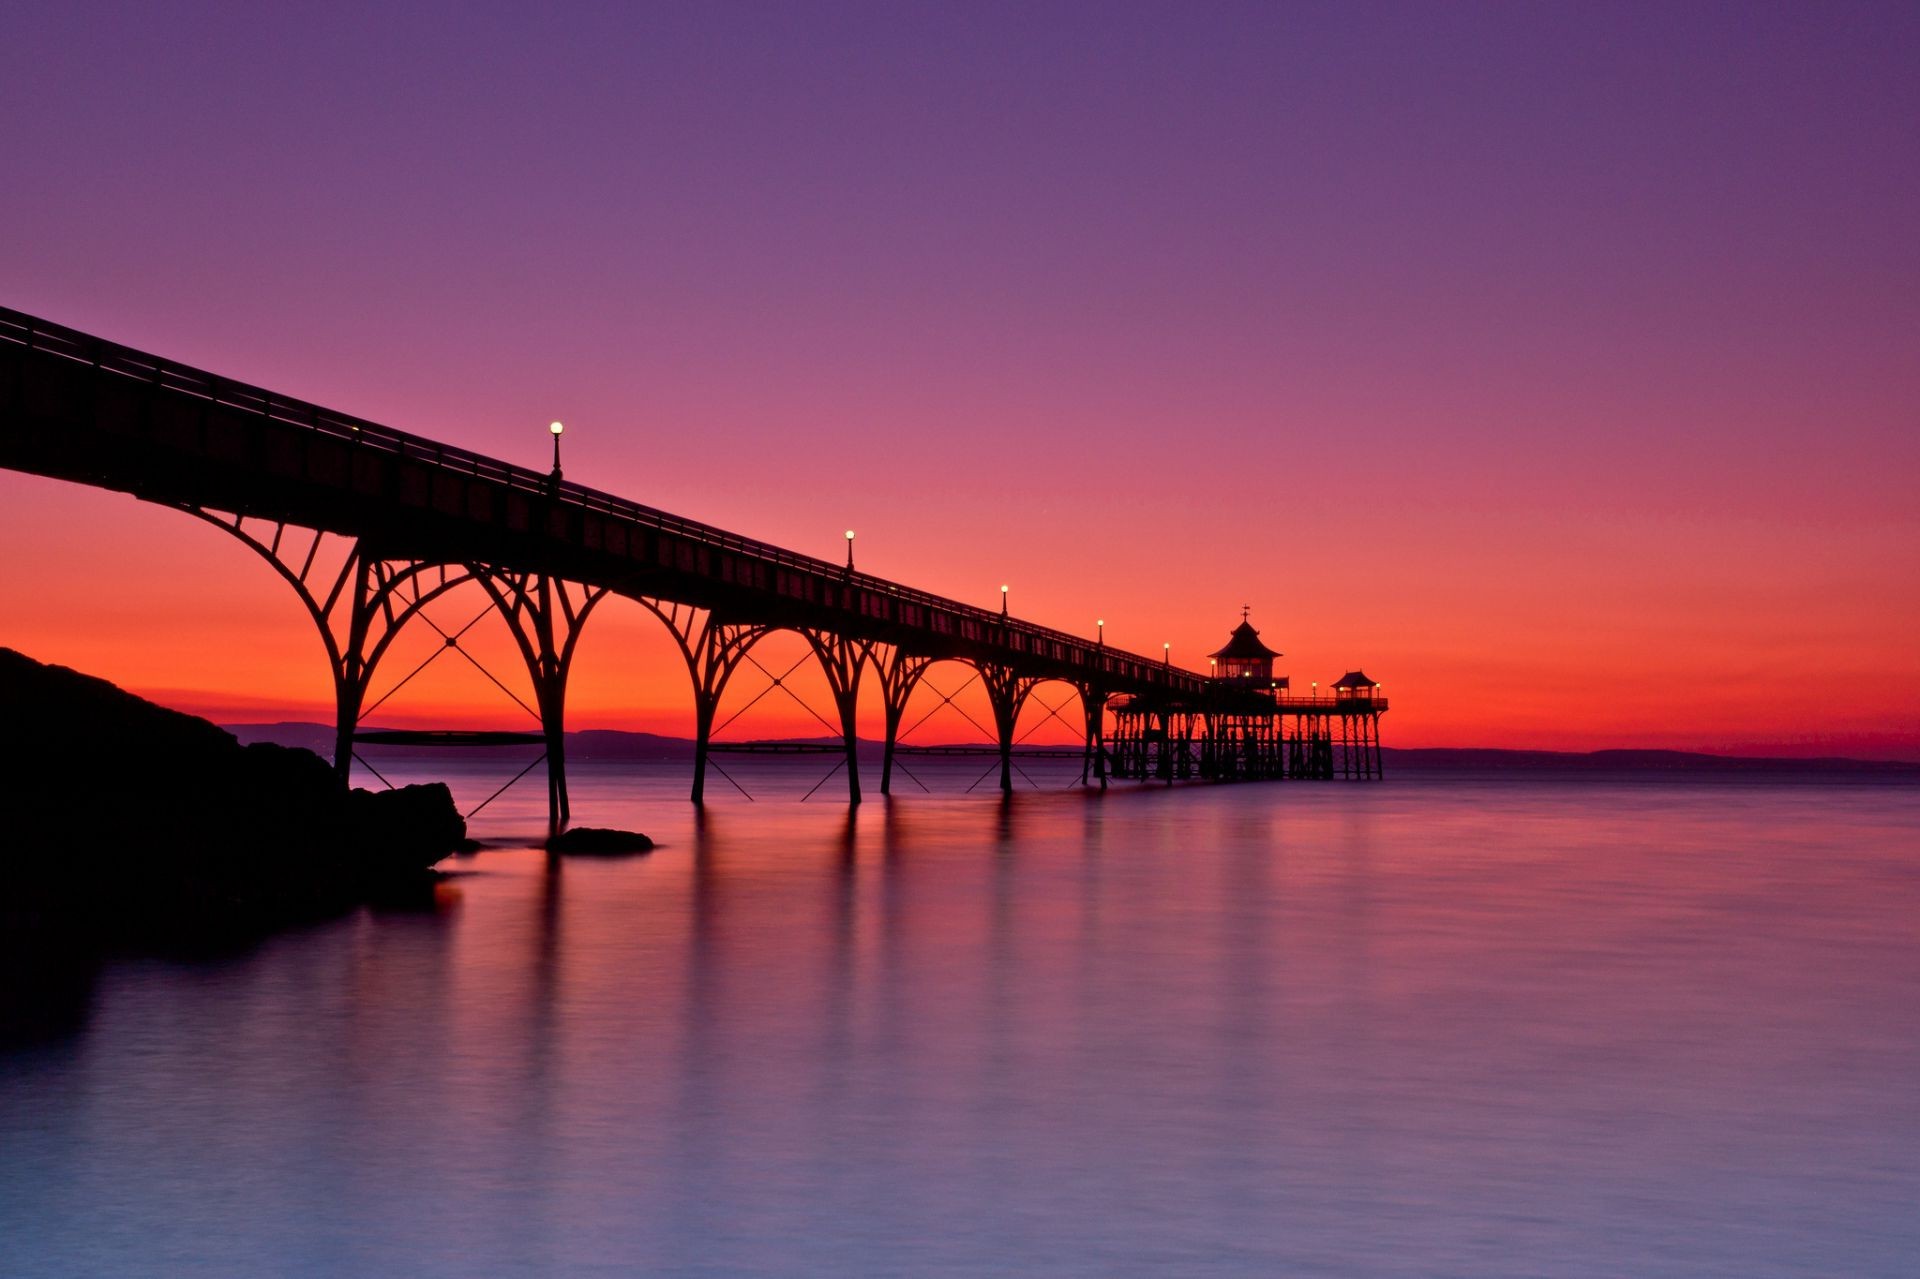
[368, 525]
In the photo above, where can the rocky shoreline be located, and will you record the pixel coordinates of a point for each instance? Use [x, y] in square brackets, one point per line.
[127, 824]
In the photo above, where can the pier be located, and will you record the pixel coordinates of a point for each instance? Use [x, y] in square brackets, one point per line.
[404, 519]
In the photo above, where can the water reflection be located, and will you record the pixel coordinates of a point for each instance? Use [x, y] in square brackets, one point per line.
[1397, 1030]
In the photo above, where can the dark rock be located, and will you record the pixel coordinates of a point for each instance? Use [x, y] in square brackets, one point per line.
[146, 824]
[407, 829]
[593, 839]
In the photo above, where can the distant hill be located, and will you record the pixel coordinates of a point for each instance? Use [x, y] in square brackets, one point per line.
[1479, 760]
[607, 743]
[591, 743]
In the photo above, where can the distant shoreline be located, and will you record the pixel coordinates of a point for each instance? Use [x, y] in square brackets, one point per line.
[600, 743]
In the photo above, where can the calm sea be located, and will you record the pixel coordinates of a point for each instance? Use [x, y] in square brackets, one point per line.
[1439, 1026]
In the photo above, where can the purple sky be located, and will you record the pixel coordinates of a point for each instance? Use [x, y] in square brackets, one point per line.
[1507, 348]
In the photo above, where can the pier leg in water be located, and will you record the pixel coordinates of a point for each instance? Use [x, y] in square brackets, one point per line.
[713, 649]
[1093, 702]
[1007, 692]
[703, 709]
[899, 674]
[545, 616]
[842, 660]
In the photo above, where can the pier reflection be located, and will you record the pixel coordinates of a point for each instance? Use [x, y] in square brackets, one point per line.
[1056, 1032]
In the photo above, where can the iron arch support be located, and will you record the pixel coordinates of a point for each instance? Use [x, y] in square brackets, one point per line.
[359, 606]
[1092, 725]
[713, 650]
[899, 675]
[1007, 692]
[545, 616]
[842, 659]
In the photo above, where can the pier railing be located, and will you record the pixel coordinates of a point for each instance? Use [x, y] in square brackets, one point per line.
[112, 359]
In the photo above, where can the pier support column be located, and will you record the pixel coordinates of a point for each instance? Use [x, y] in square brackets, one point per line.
[712, 658]
[1007, 693]
[704, 705]
[713, 649]
[1093, 704]
[842, 659]
[899, 674]
[545, 615]
[352, 672]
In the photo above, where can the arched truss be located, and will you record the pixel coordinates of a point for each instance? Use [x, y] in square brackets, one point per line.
[843, 659]
[1053, 713]
[900, 672]
[358, 600]
[1091, 728]
[1007, 692]
[715, 650]
[545, 616]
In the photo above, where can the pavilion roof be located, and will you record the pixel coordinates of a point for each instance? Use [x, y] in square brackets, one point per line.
[1244, 644]
[1355, 679]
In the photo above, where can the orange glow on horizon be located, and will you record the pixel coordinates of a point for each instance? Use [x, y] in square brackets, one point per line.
[1525, 654]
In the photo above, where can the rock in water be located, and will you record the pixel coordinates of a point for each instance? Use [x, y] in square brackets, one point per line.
[594, 839]
[142, 821]
[405, 830]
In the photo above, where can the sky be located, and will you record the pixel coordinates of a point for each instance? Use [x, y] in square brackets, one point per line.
[1557, 364]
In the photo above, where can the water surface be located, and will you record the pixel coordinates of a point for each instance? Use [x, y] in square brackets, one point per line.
[1431, 1027]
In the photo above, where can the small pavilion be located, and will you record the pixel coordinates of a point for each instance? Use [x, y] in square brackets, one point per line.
[1245, 660]
[1354, 686]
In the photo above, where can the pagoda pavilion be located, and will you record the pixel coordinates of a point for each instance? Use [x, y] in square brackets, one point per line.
[1245, 660]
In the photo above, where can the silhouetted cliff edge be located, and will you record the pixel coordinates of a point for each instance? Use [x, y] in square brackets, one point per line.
[124, 821]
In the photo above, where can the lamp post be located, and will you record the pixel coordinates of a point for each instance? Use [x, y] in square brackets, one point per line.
[556, 428]
[1166, 653]
[1003, 599]
[849, 550]
[1101, 627]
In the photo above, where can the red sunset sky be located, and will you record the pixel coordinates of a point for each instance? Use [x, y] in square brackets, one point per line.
[1559, 365]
